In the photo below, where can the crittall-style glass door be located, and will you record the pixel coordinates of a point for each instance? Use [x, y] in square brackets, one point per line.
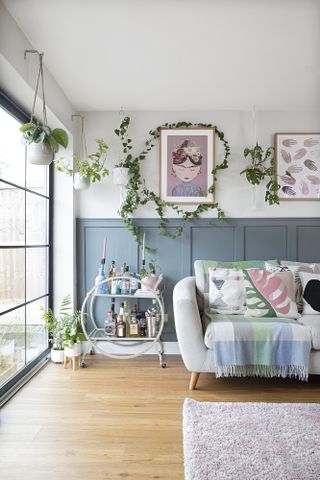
[25, 251]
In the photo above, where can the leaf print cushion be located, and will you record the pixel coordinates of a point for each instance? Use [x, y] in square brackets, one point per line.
[270, 294]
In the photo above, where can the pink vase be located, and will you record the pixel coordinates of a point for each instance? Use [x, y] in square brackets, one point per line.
[149, 283]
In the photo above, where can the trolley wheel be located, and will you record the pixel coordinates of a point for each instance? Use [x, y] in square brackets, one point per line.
[83, 364]
[163, 365]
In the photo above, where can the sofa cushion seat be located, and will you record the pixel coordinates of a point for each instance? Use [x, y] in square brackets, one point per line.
[310, 321]
[313, 322]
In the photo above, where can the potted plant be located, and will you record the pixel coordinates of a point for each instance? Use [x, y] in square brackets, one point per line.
[149, 280]
[42, 142]
[73, 335]
[261, 166]
[121, 174]
[90, 169]
[56, 325]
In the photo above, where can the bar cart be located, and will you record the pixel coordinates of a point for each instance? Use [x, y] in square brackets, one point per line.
[96, 335]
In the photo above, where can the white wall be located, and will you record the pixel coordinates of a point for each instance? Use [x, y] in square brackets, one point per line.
[233, 192]
[17, 79]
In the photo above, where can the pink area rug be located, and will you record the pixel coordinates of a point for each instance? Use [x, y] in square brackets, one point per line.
[256, 441]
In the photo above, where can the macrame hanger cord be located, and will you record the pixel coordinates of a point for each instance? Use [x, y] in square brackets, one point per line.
[83, 142]
[40, 77]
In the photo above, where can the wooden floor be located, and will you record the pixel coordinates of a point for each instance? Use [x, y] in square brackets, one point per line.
[116, 419]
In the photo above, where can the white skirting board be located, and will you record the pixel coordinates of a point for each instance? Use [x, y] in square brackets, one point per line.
[170, 348]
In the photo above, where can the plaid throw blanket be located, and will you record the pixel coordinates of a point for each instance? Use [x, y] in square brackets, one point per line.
[258, 347]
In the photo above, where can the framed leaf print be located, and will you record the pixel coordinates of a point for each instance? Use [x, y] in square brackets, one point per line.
[187, 161]
[297, 157]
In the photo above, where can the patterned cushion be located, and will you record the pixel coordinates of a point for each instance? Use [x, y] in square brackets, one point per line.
[270, 294]
[201, 270]
[311, 292]
[227, 293]
[295, 268]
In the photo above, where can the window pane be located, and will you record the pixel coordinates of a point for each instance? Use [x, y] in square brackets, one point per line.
[37, 178]
[37, 284]
[12, 343]
[12, 277]
[37, 219]
[11, 215]
[12, 150]
[37, 335]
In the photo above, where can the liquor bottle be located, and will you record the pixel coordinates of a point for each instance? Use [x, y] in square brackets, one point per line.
[114, 280]
[134, 327]
[123, 268]
[125, 283]
[126, 314]
[114, 316]
[110, 275]
[109, 324]
[143, 327]
[134, 284]
[121, 327]
[101, 288]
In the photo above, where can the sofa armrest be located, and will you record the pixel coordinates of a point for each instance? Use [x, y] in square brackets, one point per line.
[188, 324]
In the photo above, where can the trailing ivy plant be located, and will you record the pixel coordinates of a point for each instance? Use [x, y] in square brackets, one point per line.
[138, 193]
[122, 133]
[261, 166]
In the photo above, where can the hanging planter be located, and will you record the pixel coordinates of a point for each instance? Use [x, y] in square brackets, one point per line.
[86, 168]
[80, 182]
[42, 142]
[39, 154]
[121, 176]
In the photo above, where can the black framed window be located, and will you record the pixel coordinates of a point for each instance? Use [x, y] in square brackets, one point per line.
[25, 250]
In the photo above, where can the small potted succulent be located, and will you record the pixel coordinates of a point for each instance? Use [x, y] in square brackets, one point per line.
[90, 169]
[42, 142]
[121, 175]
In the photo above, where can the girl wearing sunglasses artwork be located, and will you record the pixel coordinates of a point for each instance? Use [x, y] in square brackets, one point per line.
[186, 166]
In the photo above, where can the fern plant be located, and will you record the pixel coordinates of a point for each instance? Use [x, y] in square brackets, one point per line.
[64, 328]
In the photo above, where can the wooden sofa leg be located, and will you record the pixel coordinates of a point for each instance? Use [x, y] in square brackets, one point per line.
[193, 380]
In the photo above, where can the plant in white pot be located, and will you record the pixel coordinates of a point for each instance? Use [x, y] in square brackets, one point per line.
[56, 325]
[86, 168]
[73, 335]
[42, 142]
[121, 173]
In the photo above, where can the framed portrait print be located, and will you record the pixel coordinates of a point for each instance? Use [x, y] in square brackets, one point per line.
[297, 157]
[186, 164]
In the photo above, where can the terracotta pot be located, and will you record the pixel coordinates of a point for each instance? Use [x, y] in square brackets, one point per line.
[80, 182]
[57, 356]
[39, 154]
[121, 176]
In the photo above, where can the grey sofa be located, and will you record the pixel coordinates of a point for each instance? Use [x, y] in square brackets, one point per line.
[194, 335]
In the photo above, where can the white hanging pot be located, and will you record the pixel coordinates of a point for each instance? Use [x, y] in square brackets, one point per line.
[121, 176]
[39, 154]
[57, 356]
[80, 182]
[74, 351]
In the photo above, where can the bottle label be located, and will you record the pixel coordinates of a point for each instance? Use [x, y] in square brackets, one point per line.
[134, 329]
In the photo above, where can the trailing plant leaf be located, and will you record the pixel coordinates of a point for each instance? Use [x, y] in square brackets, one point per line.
[261, 167]
[36, 133]
[92, 167]
[138, 194]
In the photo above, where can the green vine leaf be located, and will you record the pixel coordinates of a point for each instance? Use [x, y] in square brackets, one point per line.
[138, 194]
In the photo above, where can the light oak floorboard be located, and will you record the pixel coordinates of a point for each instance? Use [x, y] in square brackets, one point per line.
[116, 420]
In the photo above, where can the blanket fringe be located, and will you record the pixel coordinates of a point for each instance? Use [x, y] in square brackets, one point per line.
[291, 371]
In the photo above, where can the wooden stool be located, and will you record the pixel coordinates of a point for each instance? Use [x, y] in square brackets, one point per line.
[73, 359]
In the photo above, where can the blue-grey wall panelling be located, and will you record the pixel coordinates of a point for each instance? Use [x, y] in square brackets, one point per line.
[236, 239]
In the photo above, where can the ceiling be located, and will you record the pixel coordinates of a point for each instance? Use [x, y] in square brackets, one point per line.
[178, 54]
